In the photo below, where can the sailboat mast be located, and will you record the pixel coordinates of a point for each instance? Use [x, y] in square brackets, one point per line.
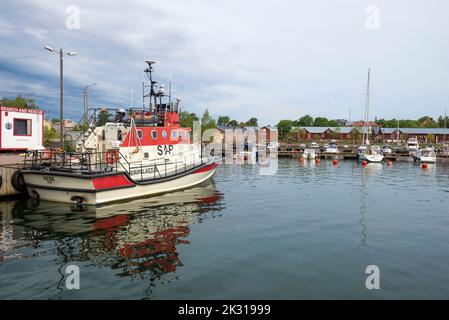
[365, 129]
[445, 123]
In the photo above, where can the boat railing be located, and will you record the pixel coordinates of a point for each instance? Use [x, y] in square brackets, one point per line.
[111, 161]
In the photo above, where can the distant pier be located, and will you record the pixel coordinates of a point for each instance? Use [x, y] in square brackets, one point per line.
[295, 151]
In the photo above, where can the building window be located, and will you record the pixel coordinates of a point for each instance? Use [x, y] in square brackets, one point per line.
[164, 134]
[153, 134]
[187, 134]
[22, 127]
[173, 134]
[180, 134]
[139, 134]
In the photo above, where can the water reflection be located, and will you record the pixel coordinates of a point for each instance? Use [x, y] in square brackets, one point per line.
[367, 171]
[139, 237]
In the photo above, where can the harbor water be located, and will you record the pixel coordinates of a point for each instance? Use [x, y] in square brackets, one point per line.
[308, 231]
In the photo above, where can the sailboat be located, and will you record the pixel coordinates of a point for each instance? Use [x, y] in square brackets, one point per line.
[365, 151]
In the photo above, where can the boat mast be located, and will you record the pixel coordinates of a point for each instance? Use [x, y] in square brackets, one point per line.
[445, 124]
[365, 129]
[397, 142]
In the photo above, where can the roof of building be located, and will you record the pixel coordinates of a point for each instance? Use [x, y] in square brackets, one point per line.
[416, 130]
[320, 130]
[388, 130]
[362, 124]
[424, 130]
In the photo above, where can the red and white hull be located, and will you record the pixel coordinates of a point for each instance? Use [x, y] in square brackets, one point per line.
[103, 188]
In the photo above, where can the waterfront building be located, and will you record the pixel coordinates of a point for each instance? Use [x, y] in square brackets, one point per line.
[21, 128]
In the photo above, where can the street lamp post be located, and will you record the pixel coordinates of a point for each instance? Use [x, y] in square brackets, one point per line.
[61, 88]
[86, 101]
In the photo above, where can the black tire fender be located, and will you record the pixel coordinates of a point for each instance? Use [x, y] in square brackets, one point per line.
[18, 182]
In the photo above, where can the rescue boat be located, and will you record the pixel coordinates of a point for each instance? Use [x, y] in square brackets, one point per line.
[135, 153]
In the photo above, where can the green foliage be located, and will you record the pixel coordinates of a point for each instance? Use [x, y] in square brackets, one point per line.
[443, 122]
[324, 122]
[305, 121]
[103, 116]
[207, 122]
[50, 134]
[186, 119]
[233, 123]
[284, 127]
[423, 122]
[252, 122]
[68, 146]
[81, 127]
[227, 122]
[19, 102]
[223, 121]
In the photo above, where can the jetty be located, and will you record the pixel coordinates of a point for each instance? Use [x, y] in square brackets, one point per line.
[10, 163]
[288, 150]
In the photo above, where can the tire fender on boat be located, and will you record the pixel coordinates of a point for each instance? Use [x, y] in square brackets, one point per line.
[18, 182]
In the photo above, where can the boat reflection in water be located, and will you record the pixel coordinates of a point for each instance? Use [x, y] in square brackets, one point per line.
[135, 237]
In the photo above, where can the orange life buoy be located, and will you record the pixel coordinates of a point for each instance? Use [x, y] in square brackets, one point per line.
[46, 154]
[112, 156]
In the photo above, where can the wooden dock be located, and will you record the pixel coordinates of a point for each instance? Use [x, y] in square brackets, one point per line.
[9, 164]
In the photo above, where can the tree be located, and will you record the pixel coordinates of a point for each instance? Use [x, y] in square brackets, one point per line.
[50, 134]
[321, 122]
[19, 102]
[233, 123]
[284, 127]
[427, 122]
[207, 122]
[223, 120]
[103, 116]
[305, 121]
[81, 127]
[251, 122]
[186, 119]
[333, 123]
[443, 122]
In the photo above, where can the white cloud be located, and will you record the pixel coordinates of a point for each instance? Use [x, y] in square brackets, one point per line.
[266, 58]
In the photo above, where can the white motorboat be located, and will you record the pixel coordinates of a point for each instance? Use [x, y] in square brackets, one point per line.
[386, 150]
[331, 148]
[426, 155]
[412, 145]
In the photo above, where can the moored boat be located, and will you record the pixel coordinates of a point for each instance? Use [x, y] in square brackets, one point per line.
[309, 153]
[331, 148]
[426, 155]
[366, 152]
[136, 153]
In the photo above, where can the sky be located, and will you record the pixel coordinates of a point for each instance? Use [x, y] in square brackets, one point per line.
[269, 59]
